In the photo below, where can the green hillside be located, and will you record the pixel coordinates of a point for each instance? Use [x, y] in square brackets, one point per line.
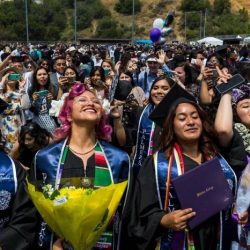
[54, 19]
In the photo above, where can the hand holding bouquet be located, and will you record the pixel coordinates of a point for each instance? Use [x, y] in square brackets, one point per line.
[78, 215]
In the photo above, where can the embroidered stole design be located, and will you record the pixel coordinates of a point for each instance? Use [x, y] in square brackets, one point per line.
[8, 186]
[144, 141]
[103, 178]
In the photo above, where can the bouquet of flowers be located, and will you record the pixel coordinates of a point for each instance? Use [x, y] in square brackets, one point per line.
[77, 215]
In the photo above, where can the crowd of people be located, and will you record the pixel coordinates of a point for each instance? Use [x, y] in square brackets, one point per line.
[109, 113]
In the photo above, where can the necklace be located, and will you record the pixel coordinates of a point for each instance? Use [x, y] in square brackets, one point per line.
[84, 153]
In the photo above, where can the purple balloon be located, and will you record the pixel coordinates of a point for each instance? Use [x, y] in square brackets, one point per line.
[155, 35]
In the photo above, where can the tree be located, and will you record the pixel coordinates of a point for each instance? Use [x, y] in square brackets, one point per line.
[222, 7]
[126, 6]
[194, 5]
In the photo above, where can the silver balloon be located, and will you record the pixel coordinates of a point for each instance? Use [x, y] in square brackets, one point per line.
[166, 31]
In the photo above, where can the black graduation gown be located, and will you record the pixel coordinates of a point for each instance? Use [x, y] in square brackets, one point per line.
[20, 231]
[143, 215]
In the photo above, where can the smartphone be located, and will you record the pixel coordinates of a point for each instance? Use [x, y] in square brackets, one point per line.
[43, 92]
[232, 83]
[71, 79]
[14, 77]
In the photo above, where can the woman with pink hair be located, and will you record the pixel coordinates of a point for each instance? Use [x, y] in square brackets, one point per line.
[81, 150]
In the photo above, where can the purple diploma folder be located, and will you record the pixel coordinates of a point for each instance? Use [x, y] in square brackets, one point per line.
[205, 190]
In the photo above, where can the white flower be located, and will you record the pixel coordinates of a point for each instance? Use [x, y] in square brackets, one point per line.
[57, 105]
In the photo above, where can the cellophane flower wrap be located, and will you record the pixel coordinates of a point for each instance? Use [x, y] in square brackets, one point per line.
[79, 215]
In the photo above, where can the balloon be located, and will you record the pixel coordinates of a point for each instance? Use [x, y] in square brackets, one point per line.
[169, 19]
[158, 23]
[161, 41]
[166, 31]
[155, 35]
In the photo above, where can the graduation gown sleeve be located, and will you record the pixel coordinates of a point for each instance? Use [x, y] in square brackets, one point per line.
[235, 153]
[20, 232]
[145, 214]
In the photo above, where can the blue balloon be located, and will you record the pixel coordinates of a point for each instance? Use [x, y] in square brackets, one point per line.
[155, 35]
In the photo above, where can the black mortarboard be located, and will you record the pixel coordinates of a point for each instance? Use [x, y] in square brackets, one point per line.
[3, 105]
[221, 50]
[175, 96]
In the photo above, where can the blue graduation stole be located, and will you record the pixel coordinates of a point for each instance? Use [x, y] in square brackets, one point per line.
[8, 187]
[47, 161]
[142, 149]
[161, 169]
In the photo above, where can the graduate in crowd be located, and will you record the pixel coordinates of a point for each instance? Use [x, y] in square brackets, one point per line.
[31, 139]
[233, 117]
[153, 214]
[82, 151]
[141, 132]
[18, 215]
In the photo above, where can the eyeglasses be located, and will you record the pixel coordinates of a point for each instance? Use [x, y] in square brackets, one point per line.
[83, 100]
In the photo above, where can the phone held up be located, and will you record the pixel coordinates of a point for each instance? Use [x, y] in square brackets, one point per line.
[42, 93]
[233, 82]
[14, 77]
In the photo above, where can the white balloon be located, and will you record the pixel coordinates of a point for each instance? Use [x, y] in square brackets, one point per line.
[158, 23]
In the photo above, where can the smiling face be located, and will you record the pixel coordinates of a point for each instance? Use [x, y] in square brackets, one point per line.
[159, 90]
[243, 111]
[86, 108]
[187, 123]
[96, 76]
[42, 77]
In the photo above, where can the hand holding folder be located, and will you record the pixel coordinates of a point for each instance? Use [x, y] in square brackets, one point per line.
[205, 190]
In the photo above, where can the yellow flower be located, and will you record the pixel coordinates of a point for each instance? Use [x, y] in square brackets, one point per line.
[77, 215]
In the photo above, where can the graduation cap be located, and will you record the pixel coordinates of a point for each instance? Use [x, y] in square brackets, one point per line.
[3, 105]
[175, 96]
[221, 50]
